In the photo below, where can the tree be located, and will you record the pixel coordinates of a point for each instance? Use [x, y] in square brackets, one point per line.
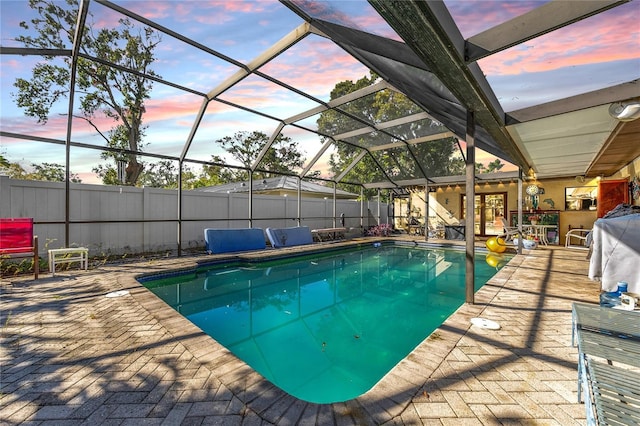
[435, 157]
[491, 167]
[494, 166]
[4, 163]
[163, 174]
[214, 174]
[111, 91]
[51, 172]
[282, 157]
[13, 170]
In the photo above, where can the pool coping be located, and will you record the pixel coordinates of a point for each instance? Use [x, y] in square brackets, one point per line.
[386, 400]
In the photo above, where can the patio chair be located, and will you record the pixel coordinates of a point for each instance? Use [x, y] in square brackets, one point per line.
[17, 240]
[508, 232]
[579, 234]
[608, 362]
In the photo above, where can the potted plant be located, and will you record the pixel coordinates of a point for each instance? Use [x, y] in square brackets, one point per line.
[534, 219]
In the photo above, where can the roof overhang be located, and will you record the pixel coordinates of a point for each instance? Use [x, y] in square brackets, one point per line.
[571, 136]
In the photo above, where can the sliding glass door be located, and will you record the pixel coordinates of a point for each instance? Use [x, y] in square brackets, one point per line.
[487, 209]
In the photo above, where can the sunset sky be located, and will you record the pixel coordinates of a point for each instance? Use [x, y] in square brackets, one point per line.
[598, 52]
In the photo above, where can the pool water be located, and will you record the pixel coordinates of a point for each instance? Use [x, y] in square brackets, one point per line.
[325, 327]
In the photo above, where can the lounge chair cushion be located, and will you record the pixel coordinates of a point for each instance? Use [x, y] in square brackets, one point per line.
[288, 237]
[230, 240]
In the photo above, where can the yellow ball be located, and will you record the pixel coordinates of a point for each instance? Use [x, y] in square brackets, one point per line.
[492, 243]
[497, 245]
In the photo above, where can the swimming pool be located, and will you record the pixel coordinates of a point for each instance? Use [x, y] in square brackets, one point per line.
[327, 326]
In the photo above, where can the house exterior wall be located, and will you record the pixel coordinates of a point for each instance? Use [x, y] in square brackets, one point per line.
[554, 190]
[445, 204]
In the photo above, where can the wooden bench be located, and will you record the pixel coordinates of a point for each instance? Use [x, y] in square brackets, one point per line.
[17, 240]
[329, 234]
[68, 255]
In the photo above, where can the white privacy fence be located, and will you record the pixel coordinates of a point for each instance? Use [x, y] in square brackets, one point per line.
[121, 220]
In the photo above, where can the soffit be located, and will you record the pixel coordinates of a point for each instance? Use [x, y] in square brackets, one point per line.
[622, 147]
[564, 144]
[576, 135]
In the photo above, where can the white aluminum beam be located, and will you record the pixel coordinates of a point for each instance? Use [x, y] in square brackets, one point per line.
[356, 132]
[351, 166]
[542, 20]
[403, 120]
[430, 138]
[266, 146]
[280, 46]
[360, 93]
[324, 147]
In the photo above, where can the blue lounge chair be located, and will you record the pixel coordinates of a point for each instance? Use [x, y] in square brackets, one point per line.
[231, 240]
[288, 237]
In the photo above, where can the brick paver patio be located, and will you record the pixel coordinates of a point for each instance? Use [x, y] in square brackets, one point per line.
[69, 355]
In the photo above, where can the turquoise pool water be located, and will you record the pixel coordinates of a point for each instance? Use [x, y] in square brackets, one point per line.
[325, 327]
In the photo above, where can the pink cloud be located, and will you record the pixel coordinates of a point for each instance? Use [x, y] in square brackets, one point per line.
[486, 158]
[475, 16]
[171, 108]
[56, 127]
[251, 95]
[266, 97]
[376, 25]
[159, 10]
[179, 110]
[581, 44]
[315, 65]
[242, 6]
[610, 36]
[13, 64]
[103, 17]
[210, 13]
[89, 178]
[321, 10]
[364, 17]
